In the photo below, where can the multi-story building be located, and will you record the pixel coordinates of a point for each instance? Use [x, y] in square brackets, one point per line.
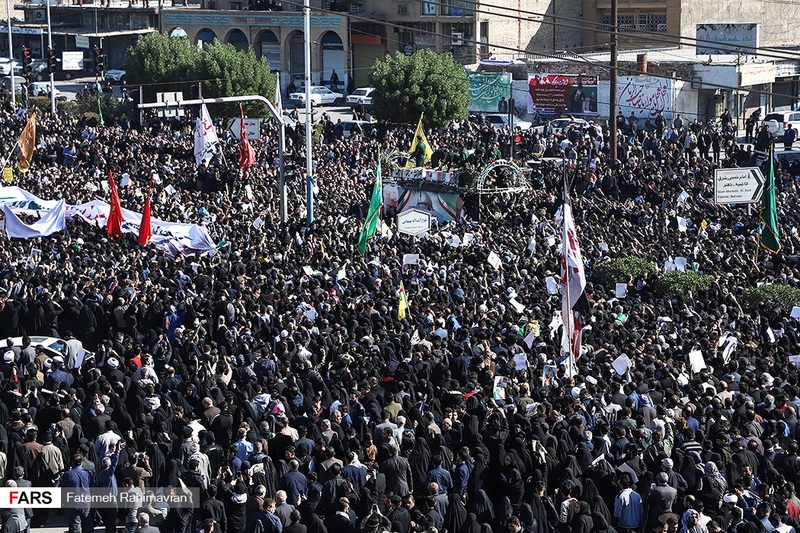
[351, 40]
[640, 23]
[346, 35]
[79, 25]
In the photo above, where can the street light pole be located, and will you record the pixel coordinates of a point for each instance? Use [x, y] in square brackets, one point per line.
[612, 97]
[229, 99]
[11, 55]
[50, 46]
[309, 165]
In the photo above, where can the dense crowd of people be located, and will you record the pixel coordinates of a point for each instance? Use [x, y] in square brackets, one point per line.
[276, 380]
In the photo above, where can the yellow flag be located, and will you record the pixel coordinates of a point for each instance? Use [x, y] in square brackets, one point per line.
[27, 142]
[703, 226]
[419, 136]
[402, 304]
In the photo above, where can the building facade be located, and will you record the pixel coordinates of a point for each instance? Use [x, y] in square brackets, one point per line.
[346, 35]
[78, 25]
[641, 24]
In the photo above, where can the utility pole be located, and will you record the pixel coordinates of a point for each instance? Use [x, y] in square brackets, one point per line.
[612, 100]
[50, 46]
[309, 162]
[11, 57]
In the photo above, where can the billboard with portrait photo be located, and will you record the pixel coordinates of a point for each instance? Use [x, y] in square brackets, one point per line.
[556, 94]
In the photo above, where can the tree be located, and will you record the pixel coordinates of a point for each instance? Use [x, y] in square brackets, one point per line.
[426, 82]
[163, 64]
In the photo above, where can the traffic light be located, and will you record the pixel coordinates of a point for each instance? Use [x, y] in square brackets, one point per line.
[52, 61]
[99, 61]
[27, 61]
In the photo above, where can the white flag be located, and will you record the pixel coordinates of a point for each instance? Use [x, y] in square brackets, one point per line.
[278, 102]
[205, 137]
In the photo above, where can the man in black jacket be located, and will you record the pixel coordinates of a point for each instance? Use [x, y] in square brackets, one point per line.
[399, 516]
[214, 509]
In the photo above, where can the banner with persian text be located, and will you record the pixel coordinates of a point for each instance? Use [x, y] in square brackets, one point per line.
[645, 96]
[556, 94]
[487, 89]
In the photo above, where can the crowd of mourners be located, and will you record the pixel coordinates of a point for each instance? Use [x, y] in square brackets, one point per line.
[275, 379]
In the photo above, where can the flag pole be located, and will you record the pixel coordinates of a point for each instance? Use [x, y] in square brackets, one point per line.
[568, 325]
[7, 159]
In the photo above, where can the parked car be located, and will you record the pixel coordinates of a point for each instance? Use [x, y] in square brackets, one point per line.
[364, 94]
[790, 155]
[561, 124]
[51, 346]
[780, 154]
[365, 125]
[319, 96]
[499, 120]
[42, 88]
[5, 81]
[6, 64]
[115, 75]
[778, 122]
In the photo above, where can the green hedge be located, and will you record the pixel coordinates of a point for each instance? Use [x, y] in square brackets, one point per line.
[612, 271]
[678, 283]
[782, 295]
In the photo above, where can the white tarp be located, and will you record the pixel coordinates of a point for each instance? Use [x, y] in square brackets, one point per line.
[173, 237]
[52, 221]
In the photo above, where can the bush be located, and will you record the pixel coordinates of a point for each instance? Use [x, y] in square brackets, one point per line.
[678, 283]
[779, 295]
[613, 271]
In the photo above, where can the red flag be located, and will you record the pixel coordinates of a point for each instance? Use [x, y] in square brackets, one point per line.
[115, 215]
[145, 228]
[247, 155]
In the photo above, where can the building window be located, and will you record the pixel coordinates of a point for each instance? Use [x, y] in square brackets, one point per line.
[484, 39]
[626, 23]
[457, 8]
[429, 7]
[638, 22]
[402, 9]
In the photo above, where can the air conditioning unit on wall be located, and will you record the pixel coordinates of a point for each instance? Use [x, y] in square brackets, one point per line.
[457, 39]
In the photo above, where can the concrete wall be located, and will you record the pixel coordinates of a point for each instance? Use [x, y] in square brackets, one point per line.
[685, 99]
[777, 20]
[523, 25]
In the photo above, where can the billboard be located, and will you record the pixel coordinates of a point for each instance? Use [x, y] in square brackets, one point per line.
[645, 96]
[72, 61]
[486, 89]
[726, 38]
[554, 94]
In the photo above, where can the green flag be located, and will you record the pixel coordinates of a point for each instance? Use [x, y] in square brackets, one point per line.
[373, 216]
[770, 238]
[100, 112]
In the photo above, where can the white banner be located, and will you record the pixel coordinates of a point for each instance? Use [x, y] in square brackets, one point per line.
[52, 221]
[645, 96]
[173, 237]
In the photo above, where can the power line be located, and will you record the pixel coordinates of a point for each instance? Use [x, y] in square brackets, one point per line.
[600, 27]
[580, 61]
